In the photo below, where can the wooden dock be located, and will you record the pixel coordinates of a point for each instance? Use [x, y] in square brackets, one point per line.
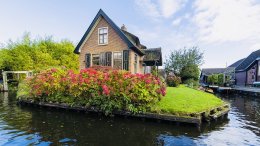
[253, 91]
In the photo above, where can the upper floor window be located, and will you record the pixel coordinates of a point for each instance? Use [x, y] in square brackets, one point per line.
[103, 36]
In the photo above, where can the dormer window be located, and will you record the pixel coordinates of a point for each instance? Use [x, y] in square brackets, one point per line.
[103, 36]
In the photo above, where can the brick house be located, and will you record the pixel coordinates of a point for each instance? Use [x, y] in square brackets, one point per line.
[105, 44]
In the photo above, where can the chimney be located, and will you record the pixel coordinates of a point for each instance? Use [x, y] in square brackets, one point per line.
[123, 27]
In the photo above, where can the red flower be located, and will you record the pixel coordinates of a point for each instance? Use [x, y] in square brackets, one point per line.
[105, 90]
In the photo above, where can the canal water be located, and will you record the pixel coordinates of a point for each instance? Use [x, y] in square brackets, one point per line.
[25, 125]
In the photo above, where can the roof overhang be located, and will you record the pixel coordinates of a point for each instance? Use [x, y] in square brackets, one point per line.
[153, 57]
[114, 26]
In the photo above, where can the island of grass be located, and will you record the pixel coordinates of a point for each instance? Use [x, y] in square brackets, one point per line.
[120, 93]
[185, 101]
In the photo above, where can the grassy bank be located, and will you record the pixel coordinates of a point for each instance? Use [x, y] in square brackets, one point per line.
[184, 101]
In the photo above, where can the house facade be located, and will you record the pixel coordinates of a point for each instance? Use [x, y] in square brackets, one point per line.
[246, 70]
[105, 44]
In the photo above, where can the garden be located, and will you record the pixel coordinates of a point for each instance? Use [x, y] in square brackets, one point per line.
[109, 91]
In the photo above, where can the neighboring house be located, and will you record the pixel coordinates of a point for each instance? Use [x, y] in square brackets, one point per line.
[247, 72]
[105, 44]
[205, 72]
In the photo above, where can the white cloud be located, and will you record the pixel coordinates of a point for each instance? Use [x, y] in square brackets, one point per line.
[148, 7]
[176, 22]
[160, 8]
[222, 20]
[169, 7]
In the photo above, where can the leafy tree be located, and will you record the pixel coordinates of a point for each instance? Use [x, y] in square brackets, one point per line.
[220, 79]
[183, 57]
[37, 54]
[190, 71]
[213, 79]
[185, 63]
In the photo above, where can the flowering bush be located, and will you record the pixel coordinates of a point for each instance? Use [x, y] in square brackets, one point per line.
[173, 81]
[106, 90]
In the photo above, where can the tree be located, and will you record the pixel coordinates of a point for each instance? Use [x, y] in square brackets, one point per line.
[213, 79]
[183, 57]
[185, 63]
[190, 71]
[37, 54]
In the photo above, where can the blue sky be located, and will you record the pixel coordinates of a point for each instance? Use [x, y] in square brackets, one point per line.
[225, 30]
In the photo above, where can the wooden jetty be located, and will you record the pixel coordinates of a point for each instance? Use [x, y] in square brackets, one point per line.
[5, 79]
[253, 91]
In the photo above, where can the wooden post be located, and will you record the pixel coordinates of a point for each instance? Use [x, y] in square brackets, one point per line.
[5, 81]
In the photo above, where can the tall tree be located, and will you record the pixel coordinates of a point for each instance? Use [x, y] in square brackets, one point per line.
[185, 64]
[37, 54]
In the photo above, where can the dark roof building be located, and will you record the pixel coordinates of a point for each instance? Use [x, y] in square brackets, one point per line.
[210, 71]
[247, 62]
[237, 63]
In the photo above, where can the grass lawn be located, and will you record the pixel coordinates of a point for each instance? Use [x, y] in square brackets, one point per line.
[184, 101]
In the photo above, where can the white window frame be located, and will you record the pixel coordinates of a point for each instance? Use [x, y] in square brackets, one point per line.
[92, 58]
[98, 36]
[113, 58]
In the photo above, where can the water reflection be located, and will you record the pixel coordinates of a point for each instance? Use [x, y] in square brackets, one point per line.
[24, 125]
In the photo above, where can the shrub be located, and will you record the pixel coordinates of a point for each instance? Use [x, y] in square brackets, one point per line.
[106, 91]
[220, 79]
[192, 83]
[173, 81]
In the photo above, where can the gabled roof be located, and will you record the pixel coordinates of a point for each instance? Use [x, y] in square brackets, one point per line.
[134, 39]
[101, 13]
[248, 61]
[153, 56]
[210, 71]
[237, 63]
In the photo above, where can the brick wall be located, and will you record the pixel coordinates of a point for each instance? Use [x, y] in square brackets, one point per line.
[115, 43]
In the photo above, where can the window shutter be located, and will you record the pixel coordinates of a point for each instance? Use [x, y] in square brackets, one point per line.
[126, 59]
[108, 58]
[87, 60]
[102, 59]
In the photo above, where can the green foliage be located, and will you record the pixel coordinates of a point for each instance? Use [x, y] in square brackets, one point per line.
[220, 79]
[213, 79]
[105, 90]
[184, 101]
[173, 81]
[37, 54]
[190, 71]
[178, 59]
[192, 83]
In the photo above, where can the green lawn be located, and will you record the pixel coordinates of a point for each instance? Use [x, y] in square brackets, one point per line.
[184, 101]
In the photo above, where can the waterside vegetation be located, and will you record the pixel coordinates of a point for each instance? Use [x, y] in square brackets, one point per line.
[110, 91]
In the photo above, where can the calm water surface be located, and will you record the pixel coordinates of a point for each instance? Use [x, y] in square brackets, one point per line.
[24, 125]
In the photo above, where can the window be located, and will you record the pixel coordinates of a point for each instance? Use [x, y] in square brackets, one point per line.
[103, 59]
[87, 60]
[103, 35]
[135, 63]
[95, 59]
[118, 60]
[108, 58]
[126, 59]
[259, 70]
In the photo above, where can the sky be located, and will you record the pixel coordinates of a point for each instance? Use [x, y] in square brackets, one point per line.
[225, 30]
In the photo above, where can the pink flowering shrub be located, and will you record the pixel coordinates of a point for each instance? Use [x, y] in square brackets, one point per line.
[106, 91]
